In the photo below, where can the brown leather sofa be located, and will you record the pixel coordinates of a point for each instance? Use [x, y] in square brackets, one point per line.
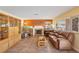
[61, 40]
[47, 32]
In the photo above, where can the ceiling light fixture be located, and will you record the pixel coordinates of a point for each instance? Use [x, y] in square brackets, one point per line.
[36, 14]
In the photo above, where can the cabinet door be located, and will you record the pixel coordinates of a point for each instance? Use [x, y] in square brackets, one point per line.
[17, 35]
[11, 36]
[0, 33]
[3, 45]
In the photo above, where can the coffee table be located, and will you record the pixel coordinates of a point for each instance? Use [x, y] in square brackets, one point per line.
[41, 41]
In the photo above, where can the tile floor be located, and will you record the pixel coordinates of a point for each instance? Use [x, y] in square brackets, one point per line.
[29, 45]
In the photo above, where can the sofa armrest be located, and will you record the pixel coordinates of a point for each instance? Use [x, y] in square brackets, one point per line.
[64, 44]
[71, 37]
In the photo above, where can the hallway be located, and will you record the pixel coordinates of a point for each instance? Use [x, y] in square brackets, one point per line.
[29, 45]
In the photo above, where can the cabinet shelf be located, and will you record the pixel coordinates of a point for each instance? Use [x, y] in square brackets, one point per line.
[3, 27]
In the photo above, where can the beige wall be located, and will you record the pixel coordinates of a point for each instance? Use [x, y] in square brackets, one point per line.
[76, 42]
[72, 12]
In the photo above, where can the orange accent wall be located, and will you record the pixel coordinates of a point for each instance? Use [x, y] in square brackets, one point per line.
[36, 22]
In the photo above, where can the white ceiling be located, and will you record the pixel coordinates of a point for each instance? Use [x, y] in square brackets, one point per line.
[36, 12]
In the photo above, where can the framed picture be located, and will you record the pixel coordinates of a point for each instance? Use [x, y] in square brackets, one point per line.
[75, 24]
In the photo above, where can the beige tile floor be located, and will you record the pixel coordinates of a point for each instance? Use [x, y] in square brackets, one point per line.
[29, 45]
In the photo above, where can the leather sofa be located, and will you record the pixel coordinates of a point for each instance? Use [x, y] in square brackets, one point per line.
[61, 40]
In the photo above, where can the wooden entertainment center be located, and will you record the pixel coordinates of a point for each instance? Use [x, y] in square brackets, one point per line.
[9, 31]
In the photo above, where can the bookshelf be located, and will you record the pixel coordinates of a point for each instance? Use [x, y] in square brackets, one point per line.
[3, 27]
[3, 32]
[14, 29]
[9, 31]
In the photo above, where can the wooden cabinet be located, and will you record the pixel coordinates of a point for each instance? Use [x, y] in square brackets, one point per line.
[9, 31]
[3, 45]
[0, 34]
[11, 36]
[14, 36]
[3, 27]
[3, 33]
[18, 35]
[19, 25]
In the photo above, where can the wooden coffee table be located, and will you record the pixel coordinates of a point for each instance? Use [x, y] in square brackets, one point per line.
[41, 41]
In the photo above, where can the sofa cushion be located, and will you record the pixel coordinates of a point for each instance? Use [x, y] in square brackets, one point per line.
[53, 38]
[65, 34]
[61, 38]
[51, 33]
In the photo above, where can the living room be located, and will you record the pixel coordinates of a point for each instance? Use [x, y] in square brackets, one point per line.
[39, 30]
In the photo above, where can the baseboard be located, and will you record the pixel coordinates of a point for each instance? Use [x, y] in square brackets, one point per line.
[76, 49]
